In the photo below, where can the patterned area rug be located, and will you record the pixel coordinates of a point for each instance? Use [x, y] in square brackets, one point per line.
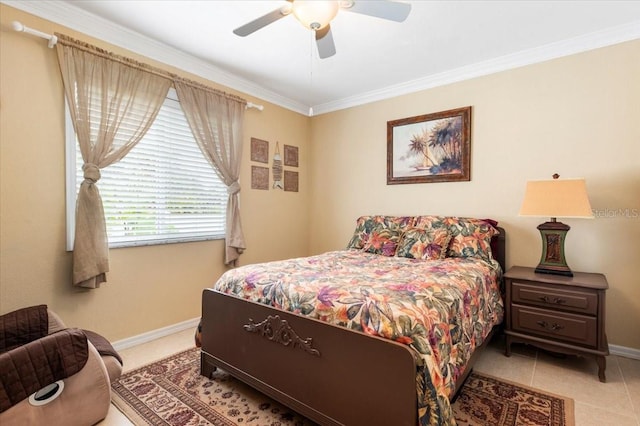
[172, 392]
[486, 400]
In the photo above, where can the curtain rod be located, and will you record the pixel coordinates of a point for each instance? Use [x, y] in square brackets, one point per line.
[17, 26]
[53, 40]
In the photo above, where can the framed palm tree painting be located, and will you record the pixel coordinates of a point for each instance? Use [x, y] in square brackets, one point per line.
[430, 148]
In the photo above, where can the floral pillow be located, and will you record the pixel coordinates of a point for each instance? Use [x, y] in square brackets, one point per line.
[426, 244]
[365, 224]
[470, 237]
[382, 240]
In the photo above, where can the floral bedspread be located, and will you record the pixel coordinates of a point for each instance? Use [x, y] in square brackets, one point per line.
[443, 309]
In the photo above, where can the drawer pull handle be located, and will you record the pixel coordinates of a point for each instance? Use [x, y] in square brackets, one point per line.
[551, 327]
[556, 300]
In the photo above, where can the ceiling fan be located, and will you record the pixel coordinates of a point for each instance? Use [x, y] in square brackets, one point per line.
[317, 15]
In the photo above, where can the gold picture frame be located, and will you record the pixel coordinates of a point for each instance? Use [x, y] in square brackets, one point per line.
[430, 148]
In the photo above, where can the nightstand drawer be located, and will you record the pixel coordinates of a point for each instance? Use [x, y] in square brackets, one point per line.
[555, 298]
[556, 325]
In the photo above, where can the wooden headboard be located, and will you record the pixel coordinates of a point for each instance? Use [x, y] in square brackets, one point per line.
[498, 248]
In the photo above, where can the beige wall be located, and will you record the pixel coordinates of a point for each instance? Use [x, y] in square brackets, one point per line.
[578, 116]
[148, 287]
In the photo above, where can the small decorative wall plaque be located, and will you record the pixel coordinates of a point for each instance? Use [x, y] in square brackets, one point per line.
[290, 181]
[259, 177]
[259, 150]
[276, 167]
[291, 156]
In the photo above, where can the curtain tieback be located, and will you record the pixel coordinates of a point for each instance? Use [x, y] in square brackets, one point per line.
[91, 172]
[233, 189]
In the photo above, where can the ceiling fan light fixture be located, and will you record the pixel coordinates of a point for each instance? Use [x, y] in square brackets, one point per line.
[315, 14]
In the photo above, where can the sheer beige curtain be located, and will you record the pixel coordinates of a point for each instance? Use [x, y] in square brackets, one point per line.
[112, 101]
[216, 121]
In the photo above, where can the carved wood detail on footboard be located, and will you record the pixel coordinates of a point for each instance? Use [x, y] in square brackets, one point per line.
[357, 380]
[351, 378]
[278, 330]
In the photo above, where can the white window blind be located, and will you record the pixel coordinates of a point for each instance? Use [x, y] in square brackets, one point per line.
[163, 191]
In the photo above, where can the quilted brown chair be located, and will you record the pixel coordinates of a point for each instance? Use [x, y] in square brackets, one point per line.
[51, 374]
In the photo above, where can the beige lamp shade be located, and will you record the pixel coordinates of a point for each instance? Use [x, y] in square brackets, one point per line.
[556, 198]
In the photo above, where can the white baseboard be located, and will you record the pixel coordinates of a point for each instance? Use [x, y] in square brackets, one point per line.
[624, 351]
[193, 323]
[155, 334]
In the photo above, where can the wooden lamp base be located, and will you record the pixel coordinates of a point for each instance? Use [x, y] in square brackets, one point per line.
[552, 260]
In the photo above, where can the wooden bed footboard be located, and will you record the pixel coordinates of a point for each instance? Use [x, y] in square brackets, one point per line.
[329, 374]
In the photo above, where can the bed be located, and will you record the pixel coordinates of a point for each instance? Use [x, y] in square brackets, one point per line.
[383, 332]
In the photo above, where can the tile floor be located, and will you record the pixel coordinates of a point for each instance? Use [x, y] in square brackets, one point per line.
[615, 403]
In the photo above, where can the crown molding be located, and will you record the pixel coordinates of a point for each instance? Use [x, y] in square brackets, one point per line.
[547, 52]
[63, 13]
[67, 15]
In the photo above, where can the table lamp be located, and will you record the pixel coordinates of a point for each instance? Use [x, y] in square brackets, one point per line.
[564, 198]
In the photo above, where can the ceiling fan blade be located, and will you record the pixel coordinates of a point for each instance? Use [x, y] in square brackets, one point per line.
[262, 21]
[381, 9]
[324, 40]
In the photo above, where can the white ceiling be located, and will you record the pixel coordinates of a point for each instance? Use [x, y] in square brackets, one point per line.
[440, 42]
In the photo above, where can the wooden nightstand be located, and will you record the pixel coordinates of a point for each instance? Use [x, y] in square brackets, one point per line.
[557, 313]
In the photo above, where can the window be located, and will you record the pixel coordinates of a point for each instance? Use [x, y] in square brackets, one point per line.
[163, 191]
